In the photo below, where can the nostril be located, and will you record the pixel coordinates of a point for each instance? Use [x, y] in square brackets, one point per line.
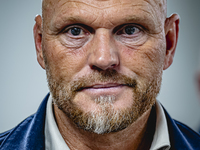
[113, 65]
[96, 68]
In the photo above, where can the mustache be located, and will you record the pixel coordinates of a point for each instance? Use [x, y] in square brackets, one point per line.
[108, 76]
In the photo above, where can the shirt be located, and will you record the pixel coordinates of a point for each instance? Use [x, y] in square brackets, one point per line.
[55, 141]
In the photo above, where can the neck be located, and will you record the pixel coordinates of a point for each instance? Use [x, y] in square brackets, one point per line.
[137, 136]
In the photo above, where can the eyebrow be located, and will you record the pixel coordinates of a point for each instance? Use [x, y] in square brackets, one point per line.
[148, 20]
[147, 23]
[64, 18]
[58, 25]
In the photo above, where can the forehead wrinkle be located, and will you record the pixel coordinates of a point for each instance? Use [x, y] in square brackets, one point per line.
[73, 17]
[152, 3]
[148, 8]
[135, 16]
[76, 17]
[106, 23]
[158, 5]
[50, 7]
[148, 14]
[76, 2]
[156, 21]
[99, 7]
[158, 10]
[45, 3]
[152, 7]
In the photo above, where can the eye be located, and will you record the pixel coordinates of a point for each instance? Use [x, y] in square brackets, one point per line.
[75, 31]
[130, 34]
[75, 36]
[130, 30]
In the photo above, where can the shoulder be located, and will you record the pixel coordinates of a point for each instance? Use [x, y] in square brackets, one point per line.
[182, 136]
[29, 134]
[185, 129]
[191, 136]
[5, 136]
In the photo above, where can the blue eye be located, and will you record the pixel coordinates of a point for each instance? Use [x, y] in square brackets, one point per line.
[75, 31]
[130, 30]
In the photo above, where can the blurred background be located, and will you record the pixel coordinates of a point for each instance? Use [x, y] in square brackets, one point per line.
[23, 82]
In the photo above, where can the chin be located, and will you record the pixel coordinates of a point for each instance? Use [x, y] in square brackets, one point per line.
[103, 113]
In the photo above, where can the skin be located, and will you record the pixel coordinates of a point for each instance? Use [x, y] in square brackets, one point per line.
[142, 56]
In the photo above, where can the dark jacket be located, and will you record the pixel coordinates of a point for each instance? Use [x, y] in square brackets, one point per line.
[29, 134]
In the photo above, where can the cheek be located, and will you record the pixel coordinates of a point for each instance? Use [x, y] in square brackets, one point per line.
[147, 60]
[62, 62]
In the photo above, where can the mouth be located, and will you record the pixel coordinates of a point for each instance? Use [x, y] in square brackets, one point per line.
[109, 85]
[104, 89]
[102, 86]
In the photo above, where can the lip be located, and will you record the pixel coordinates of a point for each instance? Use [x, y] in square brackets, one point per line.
[108, 85]
[104, 89]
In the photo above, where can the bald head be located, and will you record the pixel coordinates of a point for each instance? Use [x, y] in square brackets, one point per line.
[160, 4]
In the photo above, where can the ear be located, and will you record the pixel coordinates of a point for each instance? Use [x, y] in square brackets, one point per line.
[171, 35]
[37, 30]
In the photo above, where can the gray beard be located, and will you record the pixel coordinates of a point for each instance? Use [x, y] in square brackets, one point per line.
[106, 118]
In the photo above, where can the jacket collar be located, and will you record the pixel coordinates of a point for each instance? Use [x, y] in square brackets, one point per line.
[29, 134]
[181, 136]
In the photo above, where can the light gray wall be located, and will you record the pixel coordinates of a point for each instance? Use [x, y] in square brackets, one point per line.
[23, 83]
[179, 88]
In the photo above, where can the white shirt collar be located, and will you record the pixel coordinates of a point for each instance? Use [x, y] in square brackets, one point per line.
[161, 135]
[53, 138]
[55, 141]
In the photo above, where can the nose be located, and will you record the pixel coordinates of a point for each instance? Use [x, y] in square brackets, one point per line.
[104, 54]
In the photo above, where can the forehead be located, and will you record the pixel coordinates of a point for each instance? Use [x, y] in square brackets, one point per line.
[111, 10]
[102, 4]
[96, 2]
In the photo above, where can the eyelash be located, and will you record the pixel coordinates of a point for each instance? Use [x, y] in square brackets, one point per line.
[121, 30]
[66, 30]
[118, 30]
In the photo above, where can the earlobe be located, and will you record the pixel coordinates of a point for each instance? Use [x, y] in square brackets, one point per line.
[171, 35]
[37, 30]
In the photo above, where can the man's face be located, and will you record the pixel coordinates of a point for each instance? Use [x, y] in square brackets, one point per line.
[104, 59]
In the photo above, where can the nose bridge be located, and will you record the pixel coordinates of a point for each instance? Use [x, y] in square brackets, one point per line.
[104, 52]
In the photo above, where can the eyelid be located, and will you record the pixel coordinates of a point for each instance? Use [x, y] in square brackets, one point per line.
[122, 27]
[70, 27]
[85, 28]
